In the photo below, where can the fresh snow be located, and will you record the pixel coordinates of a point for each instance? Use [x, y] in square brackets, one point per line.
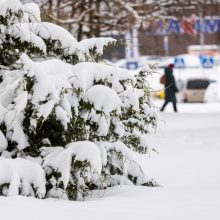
[186, 168]
[88, 72]
[98, 43]
[131, 97]
[51, 31]
[61, 159]
[6, 5]
[3, 142]
[22, 32]
[187, 142]
[33, 12]
[104, 99]
[22, 175]
[205, 108]
[121, 147]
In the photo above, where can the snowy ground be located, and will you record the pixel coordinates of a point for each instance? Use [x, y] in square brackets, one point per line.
[187, 169]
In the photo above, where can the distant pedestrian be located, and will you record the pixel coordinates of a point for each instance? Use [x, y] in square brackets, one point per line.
[170, 87]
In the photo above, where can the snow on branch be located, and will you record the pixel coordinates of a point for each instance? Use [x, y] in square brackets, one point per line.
[70, 121]
[20, 176]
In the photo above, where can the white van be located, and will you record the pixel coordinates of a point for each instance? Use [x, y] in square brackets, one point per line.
[194, 89]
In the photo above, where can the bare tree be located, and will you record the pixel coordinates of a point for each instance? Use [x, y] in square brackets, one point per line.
[93, 18]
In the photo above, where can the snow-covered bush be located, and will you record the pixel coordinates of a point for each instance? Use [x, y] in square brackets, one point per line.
[64, 108]
[19, 176]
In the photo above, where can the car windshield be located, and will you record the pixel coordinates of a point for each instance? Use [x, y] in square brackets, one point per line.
[197, 84]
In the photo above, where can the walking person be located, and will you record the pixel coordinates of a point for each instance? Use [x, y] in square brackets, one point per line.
[170, 87]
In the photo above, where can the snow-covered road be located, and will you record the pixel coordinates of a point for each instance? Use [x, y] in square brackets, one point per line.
[187, 168]
[189, 150]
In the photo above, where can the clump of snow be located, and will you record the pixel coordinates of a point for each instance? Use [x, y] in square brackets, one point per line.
[63, 116]
[103, 152]
[122, 148]
[2, 110]
[144, 141]
[150, 112]
[99, 94]
[15, 129]
[148, 68]
[51, 31]
[22, 31]
[99, 43]
[37, 160]
[126, 163]
[10, 5]
[131, 97]
[6, 154]
[102, 121]
[51, 77]
[33, 12]
[13, 102]
[120, 180]
[88, 72]
[22, 176]
[3, 142]
[135, 170]
[61, 159]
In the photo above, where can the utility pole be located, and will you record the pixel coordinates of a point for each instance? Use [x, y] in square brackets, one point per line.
[201, 33]
[166, 45]
[132, 48]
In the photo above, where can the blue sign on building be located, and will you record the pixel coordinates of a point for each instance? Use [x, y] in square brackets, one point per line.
[174, 26]
[132, 65]
[179, 62]
[207, 62]
[209, 25]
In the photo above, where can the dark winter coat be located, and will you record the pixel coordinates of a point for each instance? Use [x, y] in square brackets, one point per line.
[170, 86]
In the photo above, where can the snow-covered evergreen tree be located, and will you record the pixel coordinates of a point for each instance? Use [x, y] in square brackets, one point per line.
[69, 122]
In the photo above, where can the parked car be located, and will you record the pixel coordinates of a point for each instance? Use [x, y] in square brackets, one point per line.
[194, 89]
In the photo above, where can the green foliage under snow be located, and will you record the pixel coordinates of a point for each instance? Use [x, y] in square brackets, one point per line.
[75, 117]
